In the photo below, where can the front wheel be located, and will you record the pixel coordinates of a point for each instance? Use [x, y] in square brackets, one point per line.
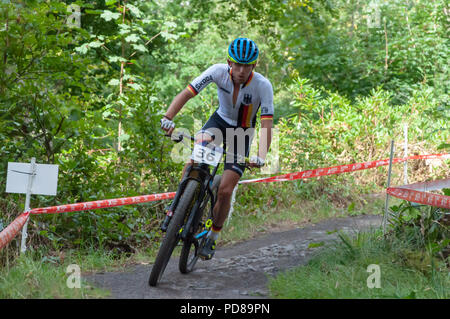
[173, 232]
[192, 246]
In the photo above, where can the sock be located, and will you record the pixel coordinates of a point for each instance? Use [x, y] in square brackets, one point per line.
[214, 232]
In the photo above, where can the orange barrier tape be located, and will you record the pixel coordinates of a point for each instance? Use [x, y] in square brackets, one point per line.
[420, 197]
[339, 169]
[102, 204]
[11, 231]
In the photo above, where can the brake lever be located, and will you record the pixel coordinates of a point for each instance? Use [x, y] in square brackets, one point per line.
[173, 137]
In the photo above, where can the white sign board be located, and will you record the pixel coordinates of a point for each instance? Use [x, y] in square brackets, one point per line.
[45, 182]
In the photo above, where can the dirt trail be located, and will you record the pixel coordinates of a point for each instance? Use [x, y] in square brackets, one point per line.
[237, 272]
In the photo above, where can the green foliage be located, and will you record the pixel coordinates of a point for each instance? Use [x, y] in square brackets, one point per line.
[355, 46]
[56, 105]
[424, 226]
[90, 98]
[328, 129]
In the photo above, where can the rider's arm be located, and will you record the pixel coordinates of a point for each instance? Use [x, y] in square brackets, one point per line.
[265, 136]
[178, 102]
[198, 84]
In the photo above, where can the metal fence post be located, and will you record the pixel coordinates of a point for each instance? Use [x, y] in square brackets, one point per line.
[405, 164]
[386, 206]
[32, 173]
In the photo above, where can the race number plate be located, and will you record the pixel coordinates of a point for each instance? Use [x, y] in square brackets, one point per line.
[203, 154]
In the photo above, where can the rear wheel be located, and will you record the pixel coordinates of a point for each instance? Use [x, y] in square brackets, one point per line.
[173, 232]
[192, 246]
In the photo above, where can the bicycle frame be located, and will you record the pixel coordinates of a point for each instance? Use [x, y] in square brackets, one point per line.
[194, 217]
[201, 174]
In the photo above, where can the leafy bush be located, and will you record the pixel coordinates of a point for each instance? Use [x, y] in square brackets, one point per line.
[327, 129]
[425, 227]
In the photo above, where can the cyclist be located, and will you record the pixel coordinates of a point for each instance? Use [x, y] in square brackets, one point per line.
[241, 93]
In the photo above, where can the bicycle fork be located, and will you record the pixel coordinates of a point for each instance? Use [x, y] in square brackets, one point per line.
[197, 211]
[174, 204]
[195, 214]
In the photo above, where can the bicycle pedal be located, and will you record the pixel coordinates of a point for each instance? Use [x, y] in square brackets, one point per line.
[208, 257]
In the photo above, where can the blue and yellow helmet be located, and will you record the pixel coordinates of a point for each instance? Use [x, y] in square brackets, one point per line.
[243, 50]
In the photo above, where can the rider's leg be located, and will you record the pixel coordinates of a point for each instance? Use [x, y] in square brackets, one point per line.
[220, 212]
[228, 182]
[232, 173]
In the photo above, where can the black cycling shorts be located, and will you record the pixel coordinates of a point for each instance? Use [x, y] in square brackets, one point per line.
[237, 142]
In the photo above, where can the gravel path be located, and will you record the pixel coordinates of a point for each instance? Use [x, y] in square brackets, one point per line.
[236, 272]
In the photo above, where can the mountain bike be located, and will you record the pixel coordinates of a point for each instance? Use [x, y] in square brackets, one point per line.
[195, 196]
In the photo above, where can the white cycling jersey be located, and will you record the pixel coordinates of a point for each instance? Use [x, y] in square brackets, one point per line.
[255, 93]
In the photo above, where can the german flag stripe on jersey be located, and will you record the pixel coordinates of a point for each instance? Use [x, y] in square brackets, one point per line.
[248, 116]
[266, 117]
[192, 89]
[245, 115]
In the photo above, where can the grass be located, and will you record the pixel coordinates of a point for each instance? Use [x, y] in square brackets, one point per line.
[31, 278]
[44, 274]
[341, 271]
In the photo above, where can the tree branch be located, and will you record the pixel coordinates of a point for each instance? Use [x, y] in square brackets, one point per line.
[5, 55]
[146, 43]
[386, 47]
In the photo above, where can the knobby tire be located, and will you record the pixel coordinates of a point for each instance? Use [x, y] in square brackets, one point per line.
[173, 233]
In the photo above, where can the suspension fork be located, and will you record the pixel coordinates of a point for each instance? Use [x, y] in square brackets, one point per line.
[180, 189]
[194, 214]
[182, 186]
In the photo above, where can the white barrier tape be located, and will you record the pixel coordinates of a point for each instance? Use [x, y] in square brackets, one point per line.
[428, 186]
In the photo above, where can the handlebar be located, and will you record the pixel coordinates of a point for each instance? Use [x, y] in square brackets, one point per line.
[179, 136]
